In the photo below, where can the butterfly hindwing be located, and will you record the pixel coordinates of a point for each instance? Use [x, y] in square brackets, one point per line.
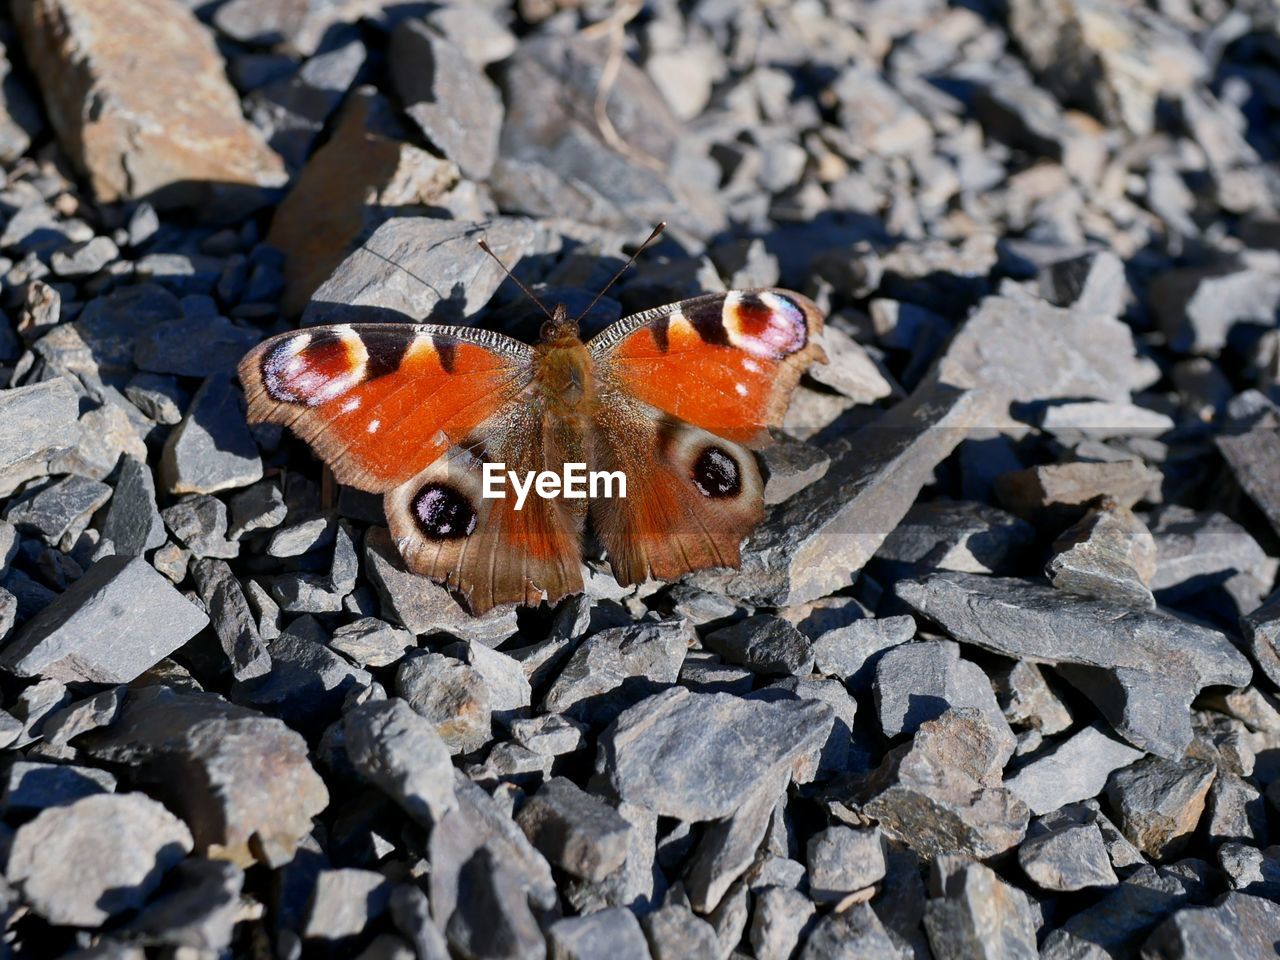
[486, 549]
[691, 496]
[725, 362]
[379, 402]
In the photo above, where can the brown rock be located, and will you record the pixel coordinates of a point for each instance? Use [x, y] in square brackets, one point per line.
[1063, 487]
[362, 172]
[165, 123]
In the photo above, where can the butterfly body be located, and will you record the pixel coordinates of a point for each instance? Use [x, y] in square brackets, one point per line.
[671, 400]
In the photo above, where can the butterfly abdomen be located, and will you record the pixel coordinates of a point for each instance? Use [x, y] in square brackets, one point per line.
[564, 375]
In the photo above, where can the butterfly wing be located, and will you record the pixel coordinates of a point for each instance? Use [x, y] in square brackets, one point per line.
[413, 412]
[684, 391]
[380, 402]
[691, 495]
[725, 362]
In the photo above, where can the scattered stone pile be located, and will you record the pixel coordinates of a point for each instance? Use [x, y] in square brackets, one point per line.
[998, 676]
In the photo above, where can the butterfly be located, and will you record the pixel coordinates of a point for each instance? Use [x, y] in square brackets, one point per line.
[674, 399]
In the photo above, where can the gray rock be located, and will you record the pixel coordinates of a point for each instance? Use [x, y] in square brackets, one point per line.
[345, 902]
[380, 279]
[297, 27]
[705, 672]
[618, 667]
[551, 735]
[780, 918]
[453, 103]
[20, 116]
[1224, 741]
[199, 522]
[764, 644]
[857, 932]
[1108, 555]
[843, 860]
[1252, 452]
[84, 258]
[35, 705]
[242, 781]
[1160, 802]
[1143, 668]
[371, 642]
[31, 787]
[85, 862]
[728, 847]
[232, 620]
[200, 911]
[788, 466]
[974, 913]
[612, 934]
[1076, 420]
[1236, 811]
[576, 831]
[700, 756]
[60, 512]
[1063, 854]
[100, 710]
[307, 684]
[476, 31]
[1099, 58]
[159, 397]
[450, 694]
[818, 541]
[1197, 549]
[1251, 870]
[1197, 307]
[1018, 348]
[1076, 769]
[116, 621]
[296, 539]
[941, 793]
[492, 918]
[37, 422]
[1237, 925]
[411, 913]
[1028, 701]
[965, 536]
[674, 932]
[1262, 631]
[555, 160]
[920, 681]
[400, 752]
[849, 651]
[1092, 282]
[132, 522]
[422, 606]
[1119, 922]
[509, 690]
[211, 449]
[1065, 489]
[638, 883]
[258, 507]
[292, 110]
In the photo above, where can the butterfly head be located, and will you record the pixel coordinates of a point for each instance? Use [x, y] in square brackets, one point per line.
[560, 328]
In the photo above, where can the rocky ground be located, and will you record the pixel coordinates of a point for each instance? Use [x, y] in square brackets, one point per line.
[998, 676]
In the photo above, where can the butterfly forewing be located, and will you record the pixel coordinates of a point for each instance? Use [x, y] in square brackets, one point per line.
[725, 362]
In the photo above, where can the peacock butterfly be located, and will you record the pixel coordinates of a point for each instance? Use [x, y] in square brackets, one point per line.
[673, 398]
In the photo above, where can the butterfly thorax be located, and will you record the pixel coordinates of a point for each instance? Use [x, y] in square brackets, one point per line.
[563, 369]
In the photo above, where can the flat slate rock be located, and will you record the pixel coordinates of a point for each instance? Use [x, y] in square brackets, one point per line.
[1237, 925]
[1155, 664]
[212, 448]
[118, 620]
[700, 756]
[416, 269]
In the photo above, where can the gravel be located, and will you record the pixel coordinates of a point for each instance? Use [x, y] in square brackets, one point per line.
[998, 674]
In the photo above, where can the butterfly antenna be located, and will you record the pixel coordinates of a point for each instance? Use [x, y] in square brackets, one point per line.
[657, 231]
[484, 245]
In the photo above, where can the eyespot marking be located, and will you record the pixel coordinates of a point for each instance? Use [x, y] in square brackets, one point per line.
[716, 474]
[442, 512]
[312, 368]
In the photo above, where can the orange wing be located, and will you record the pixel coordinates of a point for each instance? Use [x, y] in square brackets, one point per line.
[381, 402]
[726, 362]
